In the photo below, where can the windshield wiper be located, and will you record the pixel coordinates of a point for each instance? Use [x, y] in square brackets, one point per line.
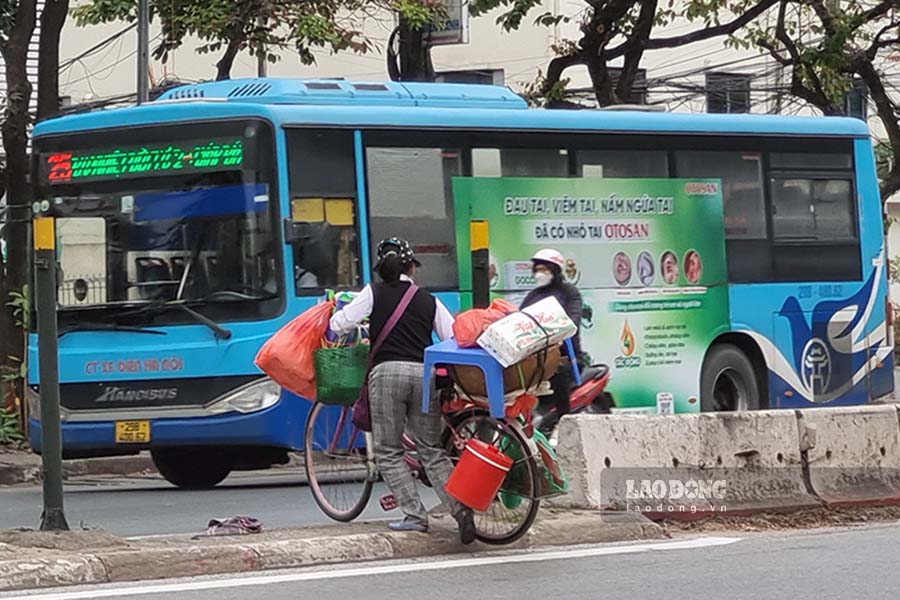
[220, 332]
[158, 307]
[107, 327]
[234, 296]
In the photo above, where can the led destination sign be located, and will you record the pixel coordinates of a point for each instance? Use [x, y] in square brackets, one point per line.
[78, 166]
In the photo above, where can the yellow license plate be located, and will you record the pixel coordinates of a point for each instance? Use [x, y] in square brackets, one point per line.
[133, 432]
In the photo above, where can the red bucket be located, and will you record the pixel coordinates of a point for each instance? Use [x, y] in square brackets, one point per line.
[479, 474]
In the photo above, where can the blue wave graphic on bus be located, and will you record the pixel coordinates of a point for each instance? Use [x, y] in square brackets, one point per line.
[831, 354]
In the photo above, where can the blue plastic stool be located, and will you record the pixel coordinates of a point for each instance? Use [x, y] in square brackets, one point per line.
[449, 353]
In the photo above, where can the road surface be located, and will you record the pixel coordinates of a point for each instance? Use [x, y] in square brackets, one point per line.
[149, 505]
[835, 564]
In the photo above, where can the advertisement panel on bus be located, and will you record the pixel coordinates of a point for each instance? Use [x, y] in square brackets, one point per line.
[648, 256]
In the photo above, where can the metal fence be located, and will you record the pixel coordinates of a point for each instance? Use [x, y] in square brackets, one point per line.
[82, 290]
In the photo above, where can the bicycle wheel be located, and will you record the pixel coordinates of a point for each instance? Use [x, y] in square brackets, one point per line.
[515, 507]
[338, 466]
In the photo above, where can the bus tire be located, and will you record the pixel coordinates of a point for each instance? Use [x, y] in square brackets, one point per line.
[728, 381]
[194, 468]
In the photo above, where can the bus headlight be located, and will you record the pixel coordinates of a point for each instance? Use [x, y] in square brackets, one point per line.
[253, 397]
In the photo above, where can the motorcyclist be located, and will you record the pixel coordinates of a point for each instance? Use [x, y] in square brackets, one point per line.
[547, 268]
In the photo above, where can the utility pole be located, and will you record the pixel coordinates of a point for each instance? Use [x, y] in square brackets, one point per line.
[54, 517]
[143, 55]
[479, 241]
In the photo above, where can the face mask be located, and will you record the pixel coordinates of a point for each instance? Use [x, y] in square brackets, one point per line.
[543, 278]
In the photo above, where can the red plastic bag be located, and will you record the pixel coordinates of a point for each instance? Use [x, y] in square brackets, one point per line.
[503, 306]
[471, 324]
[288, 357]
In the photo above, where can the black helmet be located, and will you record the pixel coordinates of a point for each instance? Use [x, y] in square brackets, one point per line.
[398, 247]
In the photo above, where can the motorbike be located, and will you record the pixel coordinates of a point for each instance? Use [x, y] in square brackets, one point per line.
[588, 397]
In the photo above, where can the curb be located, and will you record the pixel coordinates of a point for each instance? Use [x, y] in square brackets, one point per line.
[17, 474]
[30, 470]
[209, 556]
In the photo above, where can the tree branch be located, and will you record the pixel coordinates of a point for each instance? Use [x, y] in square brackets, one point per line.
[815, 95]
[824, 15]
[878, 43]
[635, 50]
[784, 62]
[887, 112]
[701, 34]
[557, 67]
[601, 83]
[879, 10]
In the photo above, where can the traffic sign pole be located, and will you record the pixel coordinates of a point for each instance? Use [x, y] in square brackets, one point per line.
[54, 517]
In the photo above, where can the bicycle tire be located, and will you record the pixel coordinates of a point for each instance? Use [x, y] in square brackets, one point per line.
[315, 473]
[533, 475]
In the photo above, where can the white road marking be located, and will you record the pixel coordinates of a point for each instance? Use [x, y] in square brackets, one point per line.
[483, 560]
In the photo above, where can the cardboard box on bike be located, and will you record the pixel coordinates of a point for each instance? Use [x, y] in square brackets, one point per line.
[526, 374]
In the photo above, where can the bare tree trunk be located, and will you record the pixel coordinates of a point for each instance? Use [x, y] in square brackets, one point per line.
[636, 45]
[18, 190]
[415, 56]
[52, 19]
[225, 64]
[6, 326]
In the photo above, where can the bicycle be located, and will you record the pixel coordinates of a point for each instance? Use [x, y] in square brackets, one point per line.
[341, 470]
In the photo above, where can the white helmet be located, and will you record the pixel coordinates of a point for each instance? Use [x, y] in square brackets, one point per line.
[549, 256]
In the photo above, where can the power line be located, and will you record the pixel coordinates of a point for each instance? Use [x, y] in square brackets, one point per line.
[96, 48]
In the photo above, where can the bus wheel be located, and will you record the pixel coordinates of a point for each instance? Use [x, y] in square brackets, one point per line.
[193, 468]
[728, 381]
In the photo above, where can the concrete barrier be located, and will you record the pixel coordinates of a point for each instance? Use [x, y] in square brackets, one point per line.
[600, 454]
[684, 466]
[855, 456]
[759, 457]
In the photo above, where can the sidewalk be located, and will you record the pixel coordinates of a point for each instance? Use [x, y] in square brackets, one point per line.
[23, 466]
[31, 559]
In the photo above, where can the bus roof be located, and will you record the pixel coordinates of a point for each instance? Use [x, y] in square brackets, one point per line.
[422, 105]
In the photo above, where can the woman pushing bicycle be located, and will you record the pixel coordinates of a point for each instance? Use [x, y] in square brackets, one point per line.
[402, 318]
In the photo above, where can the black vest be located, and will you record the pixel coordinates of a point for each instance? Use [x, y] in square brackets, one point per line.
[412, 333]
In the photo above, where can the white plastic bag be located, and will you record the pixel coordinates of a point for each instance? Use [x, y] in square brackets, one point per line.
[521, 334]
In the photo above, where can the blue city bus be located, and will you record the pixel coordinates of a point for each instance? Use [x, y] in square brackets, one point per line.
[192, 228]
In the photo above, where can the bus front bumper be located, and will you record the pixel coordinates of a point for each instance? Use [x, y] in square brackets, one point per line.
[279, 426]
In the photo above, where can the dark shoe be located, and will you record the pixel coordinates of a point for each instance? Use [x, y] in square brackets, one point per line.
[466, 521]
[409, 524]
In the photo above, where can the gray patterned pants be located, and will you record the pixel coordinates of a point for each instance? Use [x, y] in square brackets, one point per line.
[395, 404]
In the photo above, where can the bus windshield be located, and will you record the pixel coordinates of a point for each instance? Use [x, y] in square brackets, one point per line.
[178, 218]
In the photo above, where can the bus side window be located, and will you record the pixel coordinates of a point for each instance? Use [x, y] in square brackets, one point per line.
[746, 235]
[411, 195]
[621, 163]
[324, 228]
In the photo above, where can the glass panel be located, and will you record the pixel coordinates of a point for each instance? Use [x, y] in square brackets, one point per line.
[621, 164]
[742, 188]
[792, 205]
[834, 210]
[323, 210]
[520, 162]
[321, 163]
[810, 160]
[81, 245]
[816, 209]
[411, 196]
[134, 229]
